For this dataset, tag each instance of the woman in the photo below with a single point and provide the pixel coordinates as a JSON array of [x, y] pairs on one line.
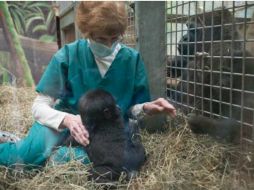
[[98, 61]]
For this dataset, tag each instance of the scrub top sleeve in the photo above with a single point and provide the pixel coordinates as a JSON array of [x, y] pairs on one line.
[[54, 80], [141, 88]]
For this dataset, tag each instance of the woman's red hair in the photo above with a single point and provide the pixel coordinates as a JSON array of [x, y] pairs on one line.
[[109, 17]]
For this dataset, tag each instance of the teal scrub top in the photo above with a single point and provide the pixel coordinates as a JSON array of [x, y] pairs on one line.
[[73, 71]]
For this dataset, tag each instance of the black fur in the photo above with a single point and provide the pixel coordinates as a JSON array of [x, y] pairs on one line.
[[208, 75], [201, 31], [223, 129], [113, 149]]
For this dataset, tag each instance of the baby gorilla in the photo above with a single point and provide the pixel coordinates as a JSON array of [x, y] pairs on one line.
[[114, 148]]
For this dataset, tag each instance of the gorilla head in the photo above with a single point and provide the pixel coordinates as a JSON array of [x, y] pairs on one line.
[[204, 29], [98, 107], [112, 148]]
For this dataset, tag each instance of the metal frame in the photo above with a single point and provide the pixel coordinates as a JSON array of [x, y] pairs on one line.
[[150, 18], [226, 90]]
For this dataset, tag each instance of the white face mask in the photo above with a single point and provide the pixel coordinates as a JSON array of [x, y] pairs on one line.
[[100, 50]]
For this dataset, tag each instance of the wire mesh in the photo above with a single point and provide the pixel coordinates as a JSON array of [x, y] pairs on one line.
[[210, 60], [129, 37]]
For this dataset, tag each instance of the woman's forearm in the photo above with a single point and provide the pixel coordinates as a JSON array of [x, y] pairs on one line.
[[44, 113]]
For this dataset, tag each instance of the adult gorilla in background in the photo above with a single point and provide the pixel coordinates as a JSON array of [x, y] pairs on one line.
[[220, 88], [202, 29], [219, 79], [221, 85], [114, 148]]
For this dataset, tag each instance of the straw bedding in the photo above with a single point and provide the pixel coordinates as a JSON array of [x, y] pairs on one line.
[[177, 158]]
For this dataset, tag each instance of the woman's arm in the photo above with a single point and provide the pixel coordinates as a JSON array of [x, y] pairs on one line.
[[141, 100], [139, 111], [44, 113]]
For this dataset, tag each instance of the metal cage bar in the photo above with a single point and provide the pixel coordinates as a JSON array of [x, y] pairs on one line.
[[129, 37], [210, 60]]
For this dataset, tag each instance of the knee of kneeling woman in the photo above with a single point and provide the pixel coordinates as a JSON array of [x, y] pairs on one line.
[[37, 146]]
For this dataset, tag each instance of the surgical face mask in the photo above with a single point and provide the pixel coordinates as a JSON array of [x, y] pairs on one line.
[[100, 50]]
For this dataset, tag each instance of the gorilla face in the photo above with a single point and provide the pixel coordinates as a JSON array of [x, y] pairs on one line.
[[203, 30], [111, 149], [98, 106], [186, 46]]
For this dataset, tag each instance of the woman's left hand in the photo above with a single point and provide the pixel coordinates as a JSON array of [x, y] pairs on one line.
[[160, 105]]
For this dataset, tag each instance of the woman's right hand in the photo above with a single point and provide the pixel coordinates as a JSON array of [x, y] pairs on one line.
[[77, 129]]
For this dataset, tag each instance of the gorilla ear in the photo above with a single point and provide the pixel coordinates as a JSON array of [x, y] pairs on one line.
[[107, 113]]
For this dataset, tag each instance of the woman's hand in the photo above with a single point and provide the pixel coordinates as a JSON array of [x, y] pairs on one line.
[[77, 129], [159, 106]]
